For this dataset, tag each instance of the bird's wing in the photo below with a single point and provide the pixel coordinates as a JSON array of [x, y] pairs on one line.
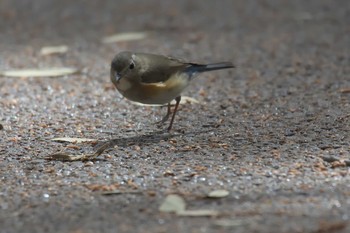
[[161, 68]]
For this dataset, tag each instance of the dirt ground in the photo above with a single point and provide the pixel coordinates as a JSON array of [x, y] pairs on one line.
[[273, 132]]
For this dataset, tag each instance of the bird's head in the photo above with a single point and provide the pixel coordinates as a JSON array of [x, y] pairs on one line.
[[124, 66]]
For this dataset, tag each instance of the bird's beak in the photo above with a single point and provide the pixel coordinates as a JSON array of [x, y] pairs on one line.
[[120, 75], [117, 77]]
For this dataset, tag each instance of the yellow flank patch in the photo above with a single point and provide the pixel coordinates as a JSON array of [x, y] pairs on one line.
[[160, 92], [153, 89], [157, 84]]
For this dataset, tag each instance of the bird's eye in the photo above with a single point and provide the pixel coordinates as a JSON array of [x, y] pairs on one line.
[[131, 66]]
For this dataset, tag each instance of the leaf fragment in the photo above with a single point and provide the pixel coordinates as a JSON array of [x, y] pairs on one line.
[[48, 72], [63, 156], [120, 192], [186, 99], [173, 203], [220, 193], [126, 36], [74, 140], [198, 213], [48, 50], [345, 90]]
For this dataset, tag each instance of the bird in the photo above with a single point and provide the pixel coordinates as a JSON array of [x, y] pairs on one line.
[[156, 79]]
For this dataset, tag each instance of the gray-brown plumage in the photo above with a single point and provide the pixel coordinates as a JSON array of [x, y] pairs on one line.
[[155, 79]]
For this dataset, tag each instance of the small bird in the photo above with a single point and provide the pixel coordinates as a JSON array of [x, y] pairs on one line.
[[156, 79]]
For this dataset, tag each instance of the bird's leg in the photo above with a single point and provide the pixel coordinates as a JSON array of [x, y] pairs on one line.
[[177, 99], [166, 117]]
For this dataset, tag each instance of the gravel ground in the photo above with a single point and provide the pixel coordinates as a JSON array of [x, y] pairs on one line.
[[274, 132]]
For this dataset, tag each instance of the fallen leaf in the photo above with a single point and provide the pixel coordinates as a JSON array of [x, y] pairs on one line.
[[339, 163], [49, 72], [220, 193], [104, 188], [48, 50], [63, 156], [74, 140], [118, 192], [173, 203], [345, 90], [186, 99], [127, 36], [75, 147], [198, 213]]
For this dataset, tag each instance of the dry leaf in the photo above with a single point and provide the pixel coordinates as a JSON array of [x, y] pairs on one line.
[[104, 187], [220, 193], [63, 156], [118, 192], [345, 90], [53, 49], [74, 140], [198, 213], [124, 37], [186, 99], [49, 72], [173, 203]]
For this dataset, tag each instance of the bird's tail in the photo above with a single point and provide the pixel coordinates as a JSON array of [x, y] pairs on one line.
[[196, 68]]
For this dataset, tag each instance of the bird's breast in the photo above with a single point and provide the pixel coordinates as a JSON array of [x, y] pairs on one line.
[[124, 85], [153, 93]]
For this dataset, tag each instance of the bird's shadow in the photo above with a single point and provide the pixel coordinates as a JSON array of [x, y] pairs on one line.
[[140, 140]]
